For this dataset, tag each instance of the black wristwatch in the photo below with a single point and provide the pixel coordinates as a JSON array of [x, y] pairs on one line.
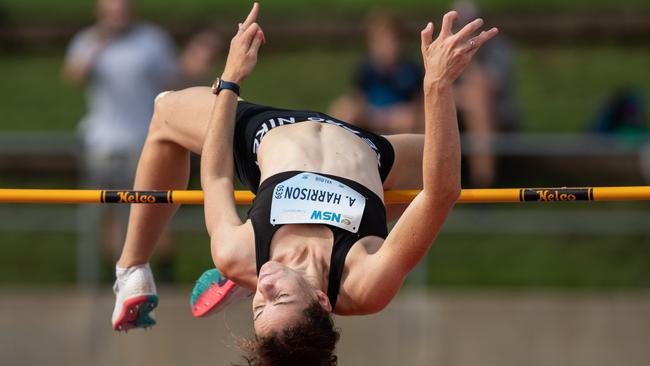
[[219, 84]]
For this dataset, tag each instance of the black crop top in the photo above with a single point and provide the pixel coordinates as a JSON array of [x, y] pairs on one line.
[[373, 223]]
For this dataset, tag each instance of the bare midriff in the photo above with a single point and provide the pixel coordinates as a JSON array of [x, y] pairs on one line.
[[319, 148]]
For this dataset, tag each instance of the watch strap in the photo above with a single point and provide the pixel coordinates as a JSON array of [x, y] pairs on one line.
[[220, 84]]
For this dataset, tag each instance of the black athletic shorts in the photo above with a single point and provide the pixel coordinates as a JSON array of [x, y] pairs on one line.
[[253, 121]]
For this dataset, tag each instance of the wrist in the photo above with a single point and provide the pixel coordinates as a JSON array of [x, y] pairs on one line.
[[231, 77], [436, 86]]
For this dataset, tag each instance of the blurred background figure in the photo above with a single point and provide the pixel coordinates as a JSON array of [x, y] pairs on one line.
[[123, 64], [623, 114], [386, 95], [199, 59], [485, 100]]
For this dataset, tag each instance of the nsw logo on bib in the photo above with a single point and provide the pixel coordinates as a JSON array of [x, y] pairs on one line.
[[309, 198]]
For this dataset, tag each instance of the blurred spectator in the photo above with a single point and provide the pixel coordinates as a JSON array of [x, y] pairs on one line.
[[124, 64], [623, 114], [644, 161], [199, 59], [485, 100], [387, 87]]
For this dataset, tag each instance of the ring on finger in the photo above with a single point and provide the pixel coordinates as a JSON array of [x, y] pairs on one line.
[[472, 43]]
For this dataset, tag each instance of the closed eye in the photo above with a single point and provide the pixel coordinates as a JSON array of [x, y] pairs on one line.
[[259, 308], [276, 303]]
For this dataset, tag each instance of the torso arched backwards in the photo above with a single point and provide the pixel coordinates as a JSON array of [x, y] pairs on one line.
[[326, 149]]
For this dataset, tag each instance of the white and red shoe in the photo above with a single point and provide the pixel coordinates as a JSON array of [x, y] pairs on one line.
[[135, 298]]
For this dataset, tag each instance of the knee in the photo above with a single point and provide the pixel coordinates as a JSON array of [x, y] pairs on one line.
[[160, 96], [222, 263], [224, 260], [160, 113]]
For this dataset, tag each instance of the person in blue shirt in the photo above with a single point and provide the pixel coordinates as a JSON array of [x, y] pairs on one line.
[[386, 96]]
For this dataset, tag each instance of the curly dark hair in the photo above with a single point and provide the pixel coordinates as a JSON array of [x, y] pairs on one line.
[[310, 342]]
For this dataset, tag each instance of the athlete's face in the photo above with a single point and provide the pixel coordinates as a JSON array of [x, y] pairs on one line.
[[281, 297]]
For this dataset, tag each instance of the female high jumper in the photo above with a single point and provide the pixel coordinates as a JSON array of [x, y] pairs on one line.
[[315, 241]]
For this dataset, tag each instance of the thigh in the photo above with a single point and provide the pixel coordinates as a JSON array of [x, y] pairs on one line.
[[182, 117], [406, 172]]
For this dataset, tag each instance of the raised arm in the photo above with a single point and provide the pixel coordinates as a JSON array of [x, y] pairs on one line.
[[82, 56], [413, 234], [217, 153]]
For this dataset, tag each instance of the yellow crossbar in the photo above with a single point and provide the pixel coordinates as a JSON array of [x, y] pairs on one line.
[[639, 193]]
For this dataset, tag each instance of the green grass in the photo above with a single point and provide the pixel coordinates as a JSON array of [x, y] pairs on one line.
[[309, 78], [34, 98], [82, 10], [454, 261], [560, 88], [540, 261], [43, 259], [37, 258]]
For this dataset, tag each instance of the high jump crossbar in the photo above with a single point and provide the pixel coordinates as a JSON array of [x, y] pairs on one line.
[[195, 197]]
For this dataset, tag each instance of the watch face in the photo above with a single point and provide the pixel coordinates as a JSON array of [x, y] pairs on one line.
[[216, 84]]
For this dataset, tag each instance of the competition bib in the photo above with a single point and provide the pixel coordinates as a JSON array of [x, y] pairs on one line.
[[309, 198]]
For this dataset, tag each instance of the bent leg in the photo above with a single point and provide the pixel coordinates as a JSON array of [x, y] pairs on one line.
[[177, 127]]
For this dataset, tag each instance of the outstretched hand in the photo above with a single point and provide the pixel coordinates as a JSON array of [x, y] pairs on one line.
[[446, 57], [242, 56]]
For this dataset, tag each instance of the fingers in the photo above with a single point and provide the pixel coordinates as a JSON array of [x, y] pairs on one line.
[[475, 43], [262, 35], [447, 24], [252, 17], [427, 36], [249, 34], [469, 29], [258, 41], [485, 36]]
